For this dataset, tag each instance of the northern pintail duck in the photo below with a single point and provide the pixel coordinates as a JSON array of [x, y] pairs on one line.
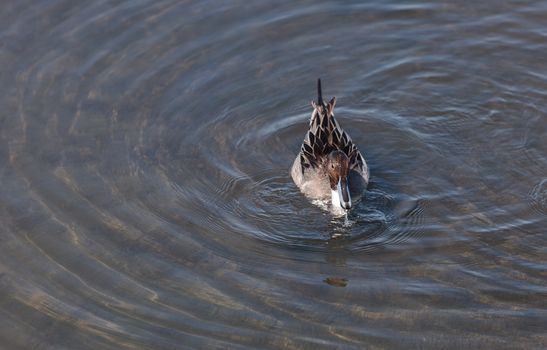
[[329, 164]]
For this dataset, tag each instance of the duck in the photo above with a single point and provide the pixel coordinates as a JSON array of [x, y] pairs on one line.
[[329, 164]]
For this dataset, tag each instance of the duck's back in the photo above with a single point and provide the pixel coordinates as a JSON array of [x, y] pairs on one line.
[[323, 137]]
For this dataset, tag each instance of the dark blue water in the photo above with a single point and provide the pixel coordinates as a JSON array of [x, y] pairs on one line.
[[145, 196]]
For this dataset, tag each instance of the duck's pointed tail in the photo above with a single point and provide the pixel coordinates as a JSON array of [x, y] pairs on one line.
[[319, 93]]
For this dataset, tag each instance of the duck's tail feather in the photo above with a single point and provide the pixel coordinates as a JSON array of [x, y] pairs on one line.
[[319, 93]]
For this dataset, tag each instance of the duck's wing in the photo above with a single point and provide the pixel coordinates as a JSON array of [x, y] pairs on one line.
[[342, 141]]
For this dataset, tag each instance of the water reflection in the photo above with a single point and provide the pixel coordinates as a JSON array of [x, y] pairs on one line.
[[336, 281]]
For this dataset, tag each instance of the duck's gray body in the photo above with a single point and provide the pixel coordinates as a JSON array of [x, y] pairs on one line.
[[325, 135]]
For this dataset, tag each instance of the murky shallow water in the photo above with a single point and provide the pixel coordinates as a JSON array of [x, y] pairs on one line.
[[145, 200]]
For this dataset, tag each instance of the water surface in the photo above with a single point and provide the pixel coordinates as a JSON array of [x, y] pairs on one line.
[[145, 196]]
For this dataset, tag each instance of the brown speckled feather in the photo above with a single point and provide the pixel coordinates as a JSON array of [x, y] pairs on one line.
[[324, 136]]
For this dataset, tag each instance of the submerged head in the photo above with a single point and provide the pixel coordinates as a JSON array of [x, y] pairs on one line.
[[338, 171]]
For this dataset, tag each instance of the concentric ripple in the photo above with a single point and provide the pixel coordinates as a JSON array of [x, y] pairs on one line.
[[146, 201]]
